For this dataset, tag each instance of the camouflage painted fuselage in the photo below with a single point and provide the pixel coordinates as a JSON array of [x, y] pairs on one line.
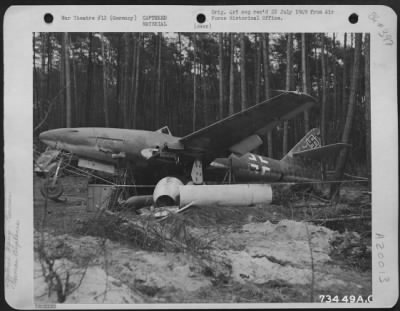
[[291, 168], [106, 144], [110, 144], [256, 168]]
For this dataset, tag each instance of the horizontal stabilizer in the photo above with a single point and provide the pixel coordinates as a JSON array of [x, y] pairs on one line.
[[246, 145], [321, 153]]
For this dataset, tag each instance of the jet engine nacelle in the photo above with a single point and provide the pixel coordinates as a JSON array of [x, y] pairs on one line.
[[232, 195], [166, 192], [170, 191]]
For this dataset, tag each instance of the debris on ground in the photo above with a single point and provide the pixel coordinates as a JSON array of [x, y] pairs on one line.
[[253, 254]]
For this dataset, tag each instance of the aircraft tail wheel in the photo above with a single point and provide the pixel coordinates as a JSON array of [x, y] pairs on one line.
[[51, 190]]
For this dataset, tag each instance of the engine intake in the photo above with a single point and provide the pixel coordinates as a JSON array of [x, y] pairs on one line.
[[166, 192]]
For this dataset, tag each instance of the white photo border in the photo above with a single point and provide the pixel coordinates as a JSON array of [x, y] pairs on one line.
[[21, 21]]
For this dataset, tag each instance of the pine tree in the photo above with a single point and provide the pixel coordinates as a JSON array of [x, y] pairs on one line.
[[342, 157]]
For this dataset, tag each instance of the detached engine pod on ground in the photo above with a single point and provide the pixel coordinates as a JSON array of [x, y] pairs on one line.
[[166, 192], [138, 201], [225, 195]]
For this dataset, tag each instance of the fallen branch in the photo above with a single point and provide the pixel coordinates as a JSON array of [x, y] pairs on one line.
[[152, 234], [340, 218], [179, 210], [309, 204], [52, 101], [319, 198], [355, 177]]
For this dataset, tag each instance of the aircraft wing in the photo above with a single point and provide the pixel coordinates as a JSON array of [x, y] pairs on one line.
[[324, 152], [216, 139]]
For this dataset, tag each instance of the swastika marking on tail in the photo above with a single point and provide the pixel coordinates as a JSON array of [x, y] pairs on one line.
[[313, 142]]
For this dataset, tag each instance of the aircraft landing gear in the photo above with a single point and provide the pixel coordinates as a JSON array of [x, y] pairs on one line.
[[197, 172], [52, 190], [52, 187], [229, 176]]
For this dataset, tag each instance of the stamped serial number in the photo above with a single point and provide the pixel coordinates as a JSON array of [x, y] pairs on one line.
[[45, 305], [345, 299]]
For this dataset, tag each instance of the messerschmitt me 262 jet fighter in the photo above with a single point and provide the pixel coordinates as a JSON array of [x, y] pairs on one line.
[[224, 146]]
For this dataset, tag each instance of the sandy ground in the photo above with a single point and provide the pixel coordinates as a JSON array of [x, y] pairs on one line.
[[251, 260]]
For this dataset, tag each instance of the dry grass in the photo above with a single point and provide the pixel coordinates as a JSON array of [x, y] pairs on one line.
[[234, 292], [180, 233]]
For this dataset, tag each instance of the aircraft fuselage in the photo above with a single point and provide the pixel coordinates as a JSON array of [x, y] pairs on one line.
[[109, 144], [106, 144], [256, 168]]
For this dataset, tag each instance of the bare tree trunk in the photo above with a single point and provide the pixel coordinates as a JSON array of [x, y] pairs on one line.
[[42, 75], [221, 76], [158, 87], [68, 106], [304, 75], [115, 113], [267, 89], [344, 81], [317, 71], [335, 106], [204, 86], [232, 76], [266, 66], [199, 44], [309, 38], [105, 105], [153, 84], [350, 55], [243, 89], [125, 92], [324, 91], [342, 157], [194, 81], [118, 106], [135, 100], [179, 107], [133, 78], [289, 69], [49, 66], [87, 119], [36, 87], [257, 68], [367, 78], [76, 99], [324, 100], [61, 112], [43, 53]]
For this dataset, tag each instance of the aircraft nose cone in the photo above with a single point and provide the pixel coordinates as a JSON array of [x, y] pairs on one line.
[[43, 135], [48, 137]]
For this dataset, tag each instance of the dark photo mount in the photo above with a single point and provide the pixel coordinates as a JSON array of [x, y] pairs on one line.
[[202, 167]]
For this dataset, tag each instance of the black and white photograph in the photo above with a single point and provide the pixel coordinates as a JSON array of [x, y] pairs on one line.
[[200, 157], [201, 167]]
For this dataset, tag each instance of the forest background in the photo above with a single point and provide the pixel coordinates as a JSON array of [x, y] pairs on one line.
[[190, 80]]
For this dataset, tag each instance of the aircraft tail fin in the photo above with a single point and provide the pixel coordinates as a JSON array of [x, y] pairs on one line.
[[311, 140], [322, 153], [309, 148]]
